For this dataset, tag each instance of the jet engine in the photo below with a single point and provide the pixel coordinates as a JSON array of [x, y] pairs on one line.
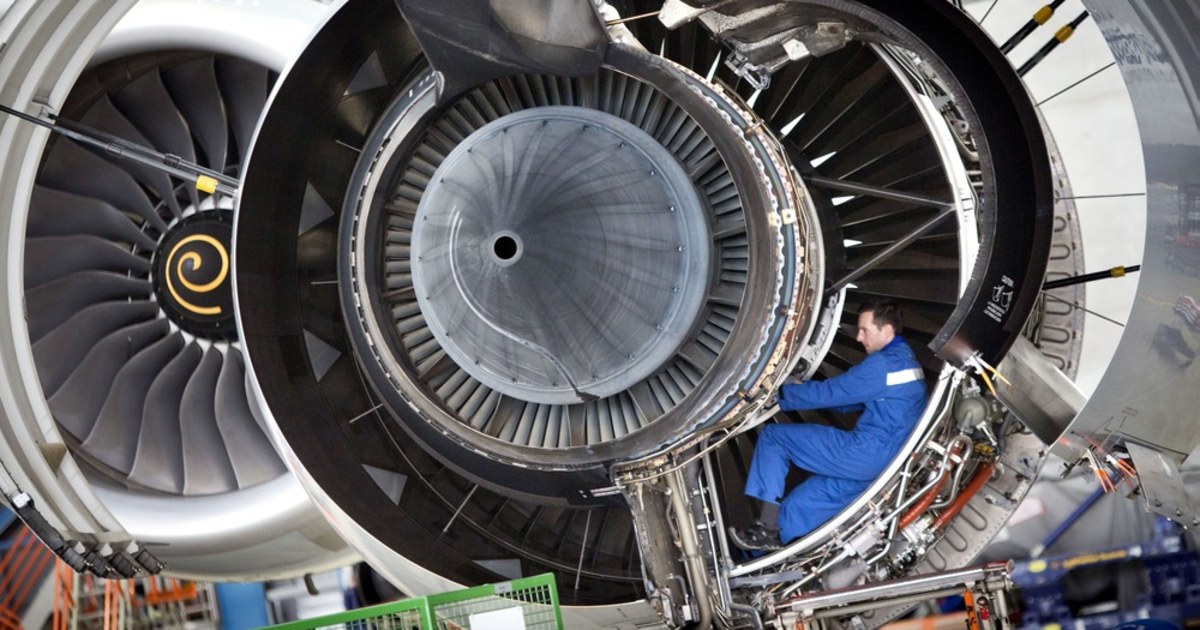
[[518, 305], [515, 284]]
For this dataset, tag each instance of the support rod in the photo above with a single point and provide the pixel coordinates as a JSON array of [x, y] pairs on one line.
[[991, 573], [1115, 272], [1042, 16], [205, 180], [1071, 519], [1060, 37], [891, 250], [876, 191]]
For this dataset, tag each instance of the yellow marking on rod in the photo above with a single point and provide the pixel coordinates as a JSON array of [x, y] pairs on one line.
[[195, 259], [1118, 272], [206, 184], [1043, 14], [1064, 34]]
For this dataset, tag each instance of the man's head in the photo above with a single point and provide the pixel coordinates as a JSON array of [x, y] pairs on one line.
[[878, 325]]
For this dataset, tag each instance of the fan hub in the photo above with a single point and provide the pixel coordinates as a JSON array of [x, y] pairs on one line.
[[191, 274], [560, 255]]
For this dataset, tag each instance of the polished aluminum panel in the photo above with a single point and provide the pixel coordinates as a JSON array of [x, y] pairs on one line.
[[1148, 394]]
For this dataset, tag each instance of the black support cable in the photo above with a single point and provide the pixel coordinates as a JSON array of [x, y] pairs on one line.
[[1061, 36], [1042, 16], [1115, 272], [205, 180]]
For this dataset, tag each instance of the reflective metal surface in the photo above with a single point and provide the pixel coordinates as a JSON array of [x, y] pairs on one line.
[[1148, 389]]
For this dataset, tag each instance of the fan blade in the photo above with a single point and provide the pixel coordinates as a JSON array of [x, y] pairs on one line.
[[77, 404], [113, 440], [148, 105], [57, 213], [55, 257], [48, 306], [193, 87], [158, 461], [105, 117], [206, 466], [243, 436], [60, 353], [245, 86], [71, 168]]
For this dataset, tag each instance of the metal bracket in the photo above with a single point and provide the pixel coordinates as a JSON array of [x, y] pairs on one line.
[[759, 77], [1162, 485]]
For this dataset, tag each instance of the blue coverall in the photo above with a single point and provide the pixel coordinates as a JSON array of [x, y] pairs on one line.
[[889, 388]]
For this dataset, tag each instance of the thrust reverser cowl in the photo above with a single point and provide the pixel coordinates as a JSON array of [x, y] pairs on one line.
[[556, 37]]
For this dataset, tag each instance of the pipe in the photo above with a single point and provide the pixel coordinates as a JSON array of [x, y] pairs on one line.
[[919, 586], [751, 613], [982, 476], [692, 560], [716, 536], [919, 507], [927, 499]]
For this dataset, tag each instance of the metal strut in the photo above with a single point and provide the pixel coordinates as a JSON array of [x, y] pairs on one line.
[[984, 586], [204, 179]]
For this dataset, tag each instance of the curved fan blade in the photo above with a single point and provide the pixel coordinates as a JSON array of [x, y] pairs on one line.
[[77, 404], [148, 105], [114, 438], [61, 352], [105, 117], [205, 468], [243, 437], [55, 257], [72, 168], [158, 462], [48, 306], [58, 213], [193, 87], [245, 86]]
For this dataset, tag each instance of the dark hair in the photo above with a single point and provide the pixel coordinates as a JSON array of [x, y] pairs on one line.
[[884, 312]]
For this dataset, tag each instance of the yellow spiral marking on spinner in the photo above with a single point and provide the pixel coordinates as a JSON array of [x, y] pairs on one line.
[[195, 259]]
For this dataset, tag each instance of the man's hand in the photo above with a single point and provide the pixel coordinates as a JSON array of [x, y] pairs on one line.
[[797, 375]]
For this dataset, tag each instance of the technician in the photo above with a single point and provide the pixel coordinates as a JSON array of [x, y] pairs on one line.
[[887, 387]]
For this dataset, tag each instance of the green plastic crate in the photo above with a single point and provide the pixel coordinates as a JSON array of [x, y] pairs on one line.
[[536, 596]]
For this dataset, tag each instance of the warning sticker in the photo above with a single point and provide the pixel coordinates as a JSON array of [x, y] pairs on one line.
[[1001, 299]]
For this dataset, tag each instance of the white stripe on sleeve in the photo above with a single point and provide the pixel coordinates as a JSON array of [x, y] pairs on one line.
[[905, 376]]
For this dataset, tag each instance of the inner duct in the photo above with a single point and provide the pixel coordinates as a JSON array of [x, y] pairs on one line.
[[634, 263]]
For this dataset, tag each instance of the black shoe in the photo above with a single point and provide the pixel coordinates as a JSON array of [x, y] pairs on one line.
[[757, 537]]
